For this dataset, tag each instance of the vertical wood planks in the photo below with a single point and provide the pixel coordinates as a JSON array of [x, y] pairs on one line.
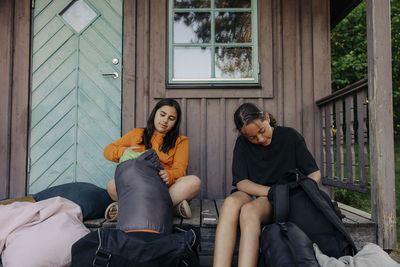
[[266, 47], [20, 99], [203, 147], [6, 31], [308, 103], [298, 116], [289, 62], [323, 143], [223, 150], [142, 61], [329, 140], [339, 140], [381, 121], [362, 135], [193, 132], [350, 156], [321, 55], [231, 135], [213, 133], [278, 59], [184, 110], [344, 175], [129, 69]]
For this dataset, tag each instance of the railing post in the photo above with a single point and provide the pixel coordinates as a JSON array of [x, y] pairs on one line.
[[381, 121]]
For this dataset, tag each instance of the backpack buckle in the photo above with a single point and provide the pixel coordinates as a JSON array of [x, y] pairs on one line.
[[101, 258]]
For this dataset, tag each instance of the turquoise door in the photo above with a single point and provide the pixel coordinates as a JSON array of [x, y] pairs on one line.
[[76, 91]]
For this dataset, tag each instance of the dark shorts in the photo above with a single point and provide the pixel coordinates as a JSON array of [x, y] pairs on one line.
[[236, 190]]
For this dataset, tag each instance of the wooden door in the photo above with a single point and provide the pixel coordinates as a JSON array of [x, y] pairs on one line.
[[76, 91]]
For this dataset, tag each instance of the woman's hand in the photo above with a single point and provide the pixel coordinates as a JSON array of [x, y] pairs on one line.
[[164, 176], [131, 148]]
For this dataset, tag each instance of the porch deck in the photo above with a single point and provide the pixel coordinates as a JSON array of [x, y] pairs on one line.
[[205, 215]]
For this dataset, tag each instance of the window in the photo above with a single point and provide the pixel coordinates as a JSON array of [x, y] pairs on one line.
[[212, 41]]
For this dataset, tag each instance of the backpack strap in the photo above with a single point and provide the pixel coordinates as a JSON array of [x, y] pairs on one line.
[[101, 257], [281, 202], [284, 233]]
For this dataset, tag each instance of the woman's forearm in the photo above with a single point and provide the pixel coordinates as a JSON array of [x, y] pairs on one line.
[[316, 176], [252, 188]]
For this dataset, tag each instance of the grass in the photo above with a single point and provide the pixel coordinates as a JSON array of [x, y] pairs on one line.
[[363, 201]]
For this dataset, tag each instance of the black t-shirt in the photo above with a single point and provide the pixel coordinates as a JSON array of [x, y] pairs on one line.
[[265, 165]]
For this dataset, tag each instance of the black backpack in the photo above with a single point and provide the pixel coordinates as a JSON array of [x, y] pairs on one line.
[[112, 247], [284, 245], [297, 199]]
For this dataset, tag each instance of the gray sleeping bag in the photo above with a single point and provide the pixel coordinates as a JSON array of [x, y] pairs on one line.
[[144, 202]]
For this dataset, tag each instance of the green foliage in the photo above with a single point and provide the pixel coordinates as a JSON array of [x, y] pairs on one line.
[[395, 14], [349, 64], [355, 199], [349, 49], [349, 53]]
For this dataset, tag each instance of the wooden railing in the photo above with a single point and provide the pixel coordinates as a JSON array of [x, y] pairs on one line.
[[344, 138]]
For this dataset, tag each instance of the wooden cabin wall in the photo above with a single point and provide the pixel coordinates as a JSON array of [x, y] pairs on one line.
[[294, 55], [14, 100]]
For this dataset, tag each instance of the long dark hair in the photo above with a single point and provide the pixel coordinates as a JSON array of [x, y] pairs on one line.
[[171, 136], [248, 113]]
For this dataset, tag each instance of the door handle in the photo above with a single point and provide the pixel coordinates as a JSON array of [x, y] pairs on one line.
[[114, 75]]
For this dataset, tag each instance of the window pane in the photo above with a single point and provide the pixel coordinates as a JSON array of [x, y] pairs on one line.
[[232, 27], [192, 62], [232, 3], [191, 3], [192, 27], [78, 15], [233, 62]]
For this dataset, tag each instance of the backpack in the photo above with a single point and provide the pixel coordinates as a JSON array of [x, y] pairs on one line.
[[113, 247], [283, 245], [297, 199]]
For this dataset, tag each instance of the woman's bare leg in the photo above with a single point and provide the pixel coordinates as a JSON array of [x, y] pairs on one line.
[[252, 215], [185, 188], [112, 190], [225, 237]]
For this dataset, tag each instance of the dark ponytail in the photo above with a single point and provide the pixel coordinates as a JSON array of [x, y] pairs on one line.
[[249, 112]]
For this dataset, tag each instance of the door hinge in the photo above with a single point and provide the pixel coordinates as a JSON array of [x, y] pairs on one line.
[[28, 167], [33, 4]]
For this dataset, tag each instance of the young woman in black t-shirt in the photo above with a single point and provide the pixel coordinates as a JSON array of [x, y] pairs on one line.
[[263, 153]]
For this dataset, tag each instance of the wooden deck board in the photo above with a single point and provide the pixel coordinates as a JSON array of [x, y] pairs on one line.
[[209, 213], [195, 206], [205, 214], [358, 212]]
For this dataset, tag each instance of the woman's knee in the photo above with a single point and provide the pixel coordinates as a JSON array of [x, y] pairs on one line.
[[249, 214], [111, 190], [256, 212], [231, 204], [195, 182]]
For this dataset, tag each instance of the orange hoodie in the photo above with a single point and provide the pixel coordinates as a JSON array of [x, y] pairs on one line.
[[174, 162]]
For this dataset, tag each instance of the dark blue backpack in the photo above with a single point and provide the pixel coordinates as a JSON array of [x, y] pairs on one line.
[[297, 199], [284, 245], [109, 247]]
